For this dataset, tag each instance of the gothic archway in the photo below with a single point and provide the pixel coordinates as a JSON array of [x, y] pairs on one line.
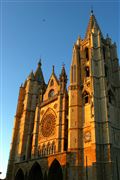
[[19, 175], [35, 172], [55, 171]]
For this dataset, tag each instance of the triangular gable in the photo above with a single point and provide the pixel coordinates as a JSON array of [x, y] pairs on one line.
[[52, 87]]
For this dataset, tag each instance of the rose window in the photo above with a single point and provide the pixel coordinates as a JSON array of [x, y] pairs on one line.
[[48, 125]]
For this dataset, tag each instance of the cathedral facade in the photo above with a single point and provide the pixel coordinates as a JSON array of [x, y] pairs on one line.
[[70, 133]]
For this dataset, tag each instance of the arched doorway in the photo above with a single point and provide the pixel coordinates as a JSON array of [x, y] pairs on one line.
[[19, 175], [55, 171], [35, 172]]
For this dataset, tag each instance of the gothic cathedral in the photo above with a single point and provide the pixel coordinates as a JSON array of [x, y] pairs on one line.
[[70, 133]]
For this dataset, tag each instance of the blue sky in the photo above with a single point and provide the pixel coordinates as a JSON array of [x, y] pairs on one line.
[[31, 30]]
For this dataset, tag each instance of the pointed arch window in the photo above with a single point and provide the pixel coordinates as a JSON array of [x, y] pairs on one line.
[[86, 97], [51, 82], [51, 93], [111, 97], [35, 172], [106, 71], [74, 73], [104, 52], [87, 53], [53, 147], [19, 175], [87, 71], [55, 171]]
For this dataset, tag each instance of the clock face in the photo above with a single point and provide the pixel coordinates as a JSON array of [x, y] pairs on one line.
[[48, 124], [87, 136]]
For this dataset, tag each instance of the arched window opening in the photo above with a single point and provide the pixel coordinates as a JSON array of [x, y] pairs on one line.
[[51, 93], [53, 148], [48, 148], [111, 98], [87, 71], [19, 175], [106, 71], [23, 157], [52, 83], [74, 73], [66, 135], [43, 150], [39, 151], [55, 171], [86, 97], [71, 74], [35, 172], [104, 52], [87, 53]]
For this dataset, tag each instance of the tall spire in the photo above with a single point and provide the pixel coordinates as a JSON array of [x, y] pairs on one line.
[[38, 74], [91, 24]]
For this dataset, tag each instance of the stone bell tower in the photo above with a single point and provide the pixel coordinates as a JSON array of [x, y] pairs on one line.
[[24, 118], [94, 105]]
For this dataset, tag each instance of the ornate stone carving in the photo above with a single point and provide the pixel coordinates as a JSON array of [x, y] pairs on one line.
[[87, 136], [55, 105]]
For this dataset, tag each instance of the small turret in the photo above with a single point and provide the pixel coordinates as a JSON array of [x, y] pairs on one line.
[[75, 66], [63, 79], [31, 76], [78, 41], [38, 74]]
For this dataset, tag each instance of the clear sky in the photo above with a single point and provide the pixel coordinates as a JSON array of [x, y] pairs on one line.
[[30, 30]]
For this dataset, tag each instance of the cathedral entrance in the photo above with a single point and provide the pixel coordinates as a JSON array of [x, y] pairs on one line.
[[19, 175], [55, 171], [35, 172]]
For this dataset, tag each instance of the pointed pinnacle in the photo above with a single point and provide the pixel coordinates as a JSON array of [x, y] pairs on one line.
[[53, 68], [39, 63]]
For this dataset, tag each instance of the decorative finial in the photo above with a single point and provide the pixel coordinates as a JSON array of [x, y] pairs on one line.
[[78, 40], [39, 63], [53, 67], [91, 10]]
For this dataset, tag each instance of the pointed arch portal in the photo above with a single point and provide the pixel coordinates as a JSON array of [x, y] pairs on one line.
[[19, 175], [35, 172], [55, 171]]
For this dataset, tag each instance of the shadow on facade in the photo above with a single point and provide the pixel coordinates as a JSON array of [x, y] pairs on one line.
[[35, 173]]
